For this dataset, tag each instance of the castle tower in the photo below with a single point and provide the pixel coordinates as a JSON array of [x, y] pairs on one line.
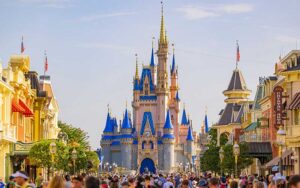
[[162, 88], [126, 142], [136, 94], [152, 64], [107, 138], [168, 144]]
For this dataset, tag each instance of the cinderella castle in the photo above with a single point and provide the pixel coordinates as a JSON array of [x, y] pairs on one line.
[[152, 138]]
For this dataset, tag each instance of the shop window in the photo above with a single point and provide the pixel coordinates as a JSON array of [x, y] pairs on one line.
[[297, 117]]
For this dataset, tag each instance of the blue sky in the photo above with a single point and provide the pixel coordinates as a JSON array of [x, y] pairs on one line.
[[91, 46]]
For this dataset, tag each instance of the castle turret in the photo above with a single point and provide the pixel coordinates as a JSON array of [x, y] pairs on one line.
[[174, 79], [190, 144], [184, 119], [152, 64], [126, 142], [162, 87], [168, 142], [106, 139]]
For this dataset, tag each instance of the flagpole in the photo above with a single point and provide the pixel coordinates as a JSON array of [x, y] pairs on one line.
[[236, 59]]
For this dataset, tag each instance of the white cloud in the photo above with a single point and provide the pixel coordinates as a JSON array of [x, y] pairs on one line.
[[237, 8], [200, 12], [194, 13], [101, 16]]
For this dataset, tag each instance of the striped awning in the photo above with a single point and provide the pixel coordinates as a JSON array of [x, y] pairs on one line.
[[295, 103]]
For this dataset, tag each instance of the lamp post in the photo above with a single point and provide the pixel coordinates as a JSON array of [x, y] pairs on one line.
[[74, 157], [281, 143], [52, 152], [236, 152], [221, 155]]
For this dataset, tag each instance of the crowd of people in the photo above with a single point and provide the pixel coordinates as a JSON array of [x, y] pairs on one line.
[[20, 179]]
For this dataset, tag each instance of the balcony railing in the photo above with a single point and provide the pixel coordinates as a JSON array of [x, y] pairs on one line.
[[9, 133], [254, 138]]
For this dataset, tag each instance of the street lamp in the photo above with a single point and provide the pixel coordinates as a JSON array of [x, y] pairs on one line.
[[236, 152], [52, 152], [221, 155], [74, 157], [62, 136], [280, 142]]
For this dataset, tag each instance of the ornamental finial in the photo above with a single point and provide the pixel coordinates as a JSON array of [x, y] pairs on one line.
[[162, 38], [136, 67]]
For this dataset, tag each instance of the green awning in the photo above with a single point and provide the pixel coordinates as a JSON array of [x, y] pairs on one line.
[[251, 127]]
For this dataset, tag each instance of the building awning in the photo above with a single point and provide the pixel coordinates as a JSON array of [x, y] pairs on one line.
[[259, 149], [27, 111], [295, 103], [15, 107], [251, 127], [274, 162]]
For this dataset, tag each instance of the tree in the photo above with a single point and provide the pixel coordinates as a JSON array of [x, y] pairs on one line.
[[210, 160], [244, 160], [75, 135]]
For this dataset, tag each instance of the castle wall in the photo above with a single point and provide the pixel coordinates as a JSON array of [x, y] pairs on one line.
[[116, 157]]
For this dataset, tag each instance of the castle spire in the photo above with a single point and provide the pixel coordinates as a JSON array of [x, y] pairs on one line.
[[136, 68], [173, 61], [152, 55], [162, 38]]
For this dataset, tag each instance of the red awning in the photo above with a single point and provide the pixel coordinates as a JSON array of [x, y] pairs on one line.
[[295, 103], [27, 111], [15, 107]]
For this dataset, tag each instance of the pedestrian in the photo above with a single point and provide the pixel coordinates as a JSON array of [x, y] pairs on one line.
[[77, 182], [56, 182], [168, 183], [92, 182], [294, 181], [11, 183], [45, 184], [39, 180], [125, 184], [21, 179], [258, 184], [68, 183], [2, 184], [185, 184], [214, 183], [233, 184]]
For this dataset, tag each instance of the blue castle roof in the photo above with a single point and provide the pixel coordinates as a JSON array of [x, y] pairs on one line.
[[126, 121], [206, 124], [147, 117], [109, 127], [177, 96], [184, 120], [173, 65], [146, 73], [168, 123], [152, 58], [190, 136], [136, 86]]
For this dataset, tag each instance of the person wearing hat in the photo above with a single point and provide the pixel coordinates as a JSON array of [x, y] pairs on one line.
[[21, 179]]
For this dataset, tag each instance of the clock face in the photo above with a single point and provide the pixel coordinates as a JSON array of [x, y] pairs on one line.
[[147, 133]]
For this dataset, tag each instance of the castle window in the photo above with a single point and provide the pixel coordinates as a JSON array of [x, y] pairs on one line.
[[151, 145], [143, 144]]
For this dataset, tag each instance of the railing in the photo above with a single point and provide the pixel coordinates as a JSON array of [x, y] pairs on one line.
[[9, 132], [254, 138]]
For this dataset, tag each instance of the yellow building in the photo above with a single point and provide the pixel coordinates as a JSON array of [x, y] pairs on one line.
[[7, 130]]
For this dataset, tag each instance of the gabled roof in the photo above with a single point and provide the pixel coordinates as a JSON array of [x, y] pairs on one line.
[[231, 114], [147, 118], [190, 136], [184, 119], [109, 128], [237, 81], [258, 96], [126, 121], [146, 73], [168, 123]]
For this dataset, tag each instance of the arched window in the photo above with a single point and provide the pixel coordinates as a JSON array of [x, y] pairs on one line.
[[151, 145], [143, 144]]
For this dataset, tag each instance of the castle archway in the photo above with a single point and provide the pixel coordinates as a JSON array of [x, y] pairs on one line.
[[147, 165]]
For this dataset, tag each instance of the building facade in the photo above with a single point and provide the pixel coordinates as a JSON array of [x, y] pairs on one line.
[[151, 138]]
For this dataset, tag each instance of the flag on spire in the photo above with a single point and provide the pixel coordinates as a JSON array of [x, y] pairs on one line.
[[237, 51], [22, 46], [46, 63]]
